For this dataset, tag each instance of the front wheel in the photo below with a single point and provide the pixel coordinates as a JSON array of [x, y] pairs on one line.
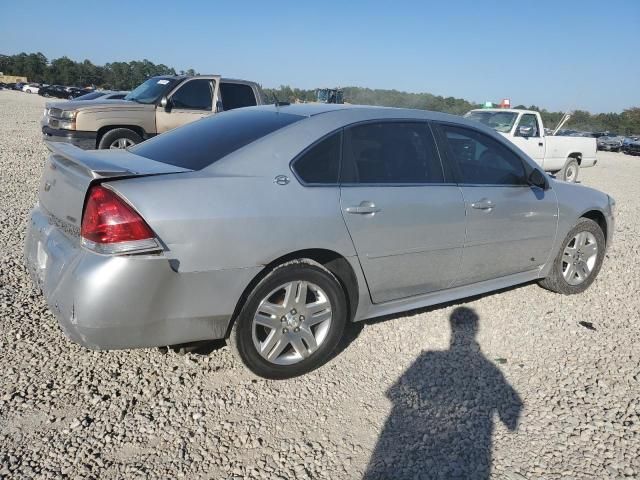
[[291, 322], [579, 259], [569, 172], [119, 138]]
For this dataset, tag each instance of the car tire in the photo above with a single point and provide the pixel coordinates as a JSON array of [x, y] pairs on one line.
[[557, 280], [248, 336], [119, 136], [569, 172]]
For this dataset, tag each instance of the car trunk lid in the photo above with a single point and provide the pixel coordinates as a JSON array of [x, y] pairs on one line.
[[69, 172]]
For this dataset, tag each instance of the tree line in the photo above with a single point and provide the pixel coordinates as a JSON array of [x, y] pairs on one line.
[[127, 75]]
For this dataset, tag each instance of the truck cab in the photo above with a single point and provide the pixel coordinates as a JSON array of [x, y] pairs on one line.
[[563, 156], [157, 105]]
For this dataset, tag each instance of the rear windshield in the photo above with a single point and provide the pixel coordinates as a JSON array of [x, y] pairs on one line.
[[201, 143]]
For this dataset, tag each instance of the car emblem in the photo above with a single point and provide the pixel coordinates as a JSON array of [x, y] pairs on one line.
[[281, 180]]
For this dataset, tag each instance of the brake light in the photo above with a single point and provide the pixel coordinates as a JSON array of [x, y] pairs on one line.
[[110, 225]]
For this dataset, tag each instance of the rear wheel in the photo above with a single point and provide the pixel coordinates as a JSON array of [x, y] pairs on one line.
[[291, 322], [579, 259], [119, 138], [569, 172]]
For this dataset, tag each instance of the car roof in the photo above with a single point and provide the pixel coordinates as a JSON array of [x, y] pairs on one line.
[[361, 112]]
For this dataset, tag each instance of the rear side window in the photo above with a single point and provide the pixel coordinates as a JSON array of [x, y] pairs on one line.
[[201, 143], [480, 159], [193, 95], [320, 164], [236, 95], [390, 153]]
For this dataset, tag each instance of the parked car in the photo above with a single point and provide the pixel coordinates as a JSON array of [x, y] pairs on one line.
[[18, 86], [103, 95], [561, 155], [610, 142], [274, 226], [56, 91], [31, 88], [631, 146], [156, 106], [75, 92]]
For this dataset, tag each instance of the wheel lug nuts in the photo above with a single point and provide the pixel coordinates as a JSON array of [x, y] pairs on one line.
[[284, 330], [293, 312], [297, 330], [283, 319], [302, 318]]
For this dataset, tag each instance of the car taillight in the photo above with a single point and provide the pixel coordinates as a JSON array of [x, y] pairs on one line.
[[110, 225]]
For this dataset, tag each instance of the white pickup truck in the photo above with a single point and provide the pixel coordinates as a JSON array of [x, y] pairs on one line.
[[563, 156]]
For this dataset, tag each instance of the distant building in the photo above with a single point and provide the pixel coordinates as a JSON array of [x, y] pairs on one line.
[[12, 79]]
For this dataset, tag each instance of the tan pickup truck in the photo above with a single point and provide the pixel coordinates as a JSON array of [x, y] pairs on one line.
[[157, 105]]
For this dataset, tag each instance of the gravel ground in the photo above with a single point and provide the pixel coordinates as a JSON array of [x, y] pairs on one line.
[[530, 384]]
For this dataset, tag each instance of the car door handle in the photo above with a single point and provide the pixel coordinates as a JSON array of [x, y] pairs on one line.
[[483, 204], [364, 208], [540, 144]]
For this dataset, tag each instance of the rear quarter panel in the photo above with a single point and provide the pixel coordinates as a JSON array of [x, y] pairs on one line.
[[224, 222], [559, 148]]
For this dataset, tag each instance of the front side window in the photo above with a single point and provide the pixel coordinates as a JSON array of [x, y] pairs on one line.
[[529, 120], [194, 95], [320, 164], [236, 95], [390, 153], [482, 160]]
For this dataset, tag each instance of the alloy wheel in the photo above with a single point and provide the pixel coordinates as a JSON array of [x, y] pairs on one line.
[[579, 258], [291, 322], [121, 143]]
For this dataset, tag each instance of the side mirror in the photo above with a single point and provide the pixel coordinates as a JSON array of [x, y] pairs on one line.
[[525, 131], [166, 104], [538, 179]]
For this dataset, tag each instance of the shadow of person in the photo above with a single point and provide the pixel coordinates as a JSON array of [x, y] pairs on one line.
[[441, 423]]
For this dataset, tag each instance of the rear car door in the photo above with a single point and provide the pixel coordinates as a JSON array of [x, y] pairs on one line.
[[511, 225], [405, 220], [236, 95], [190, 101], [534, 144]]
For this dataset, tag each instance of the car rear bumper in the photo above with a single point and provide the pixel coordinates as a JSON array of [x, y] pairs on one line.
[[84, 140], [115, 302]]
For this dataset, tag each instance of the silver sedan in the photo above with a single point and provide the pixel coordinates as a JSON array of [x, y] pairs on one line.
[[274, 226]]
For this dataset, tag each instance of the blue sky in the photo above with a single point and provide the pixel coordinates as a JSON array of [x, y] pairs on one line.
[[563, 54]]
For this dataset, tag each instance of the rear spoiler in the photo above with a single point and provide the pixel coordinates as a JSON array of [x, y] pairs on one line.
[[108, 163]]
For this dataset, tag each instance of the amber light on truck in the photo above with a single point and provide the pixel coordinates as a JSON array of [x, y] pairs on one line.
[[111, 226]]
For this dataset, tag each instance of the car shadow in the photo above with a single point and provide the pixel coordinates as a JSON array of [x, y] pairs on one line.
[[442, 418], [353, 329]]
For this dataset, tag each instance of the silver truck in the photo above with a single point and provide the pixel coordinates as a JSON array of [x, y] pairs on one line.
[[157, 105]]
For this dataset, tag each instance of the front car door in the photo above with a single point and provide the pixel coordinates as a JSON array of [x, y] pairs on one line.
[[189, 101], [406, 222], [511, 225], [532, 145]]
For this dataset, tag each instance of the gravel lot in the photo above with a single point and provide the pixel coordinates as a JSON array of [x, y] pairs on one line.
[[535, 394]]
